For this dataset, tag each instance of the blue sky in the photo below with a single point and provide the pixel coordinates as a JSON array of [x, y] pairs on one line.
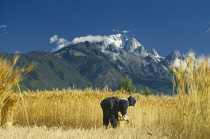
[[166, 25]]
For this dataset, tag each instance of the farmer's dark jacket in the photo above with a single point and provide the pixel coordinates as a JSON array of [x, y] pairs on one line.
[[122, 104]]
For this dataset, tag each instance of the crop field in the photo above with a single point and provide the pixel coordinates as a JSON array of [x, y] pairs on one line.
[[72, 113], [77, 114]]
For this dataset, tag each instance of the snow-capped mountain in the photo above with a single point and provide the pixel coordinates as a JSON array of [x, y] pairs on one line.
[[98, 61], [103, 60], [130, 45], [121, 42], [121, 48], [171, 57], [118, 46], [112, 44]]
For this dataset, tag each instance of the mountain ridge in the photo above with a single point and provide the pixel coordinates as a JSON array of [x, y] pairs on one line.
[[99, 64], [136, 62]]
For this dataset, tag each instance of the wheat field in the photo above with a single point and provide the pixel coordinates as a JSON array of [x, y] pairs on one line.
[[72, 113], [77, 114]]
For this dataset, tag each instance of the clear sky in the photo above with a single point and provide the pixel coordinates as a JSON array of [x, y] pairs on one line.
[[166, 25]]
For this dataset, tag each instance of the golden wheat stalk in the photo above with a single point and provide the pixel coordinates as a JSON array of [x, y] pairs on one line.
[[10, 75], [192, 80]]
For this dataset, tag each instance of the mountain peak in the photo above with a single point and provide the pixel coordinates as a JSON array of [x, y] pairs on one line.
[[113, 44], [116, 35], [153, 52], [117, 40], [175, 54], [122, 41]]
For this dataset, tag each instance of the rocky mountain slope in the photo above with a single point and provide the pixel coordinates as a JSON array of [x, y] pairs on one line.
[[98, 64]]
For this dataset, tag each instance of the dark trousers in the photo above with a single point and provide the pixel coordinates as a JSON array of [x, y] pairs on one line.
[[109, 108]]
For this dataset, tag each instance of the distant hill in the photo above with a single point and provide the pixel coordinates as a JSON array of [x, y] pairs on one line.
[[50, 72], [98, 64]]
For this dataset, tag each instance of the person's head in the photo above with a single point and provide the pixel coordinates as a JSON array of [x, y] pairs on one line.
[[132, 101]]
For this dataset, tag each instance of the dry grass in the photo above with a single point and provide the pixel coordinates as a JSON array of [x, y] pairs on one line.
[[75, 110], [77, 114], [79, 133]]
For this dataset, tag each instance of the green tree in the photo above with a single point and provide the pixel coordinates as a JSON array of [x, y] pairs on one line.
[[126, 85], [146, 92]]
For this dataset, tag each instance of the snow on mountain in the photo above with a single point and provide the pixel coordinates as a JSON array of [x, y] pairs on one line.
[[121, 41], [131, 45], [111, 45], [155, 54], [116, 40], [141, 51], [127, 53]]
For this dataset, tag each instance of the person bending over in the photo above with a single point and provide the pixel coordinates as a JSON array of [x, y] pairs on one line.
[[112, 105]]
